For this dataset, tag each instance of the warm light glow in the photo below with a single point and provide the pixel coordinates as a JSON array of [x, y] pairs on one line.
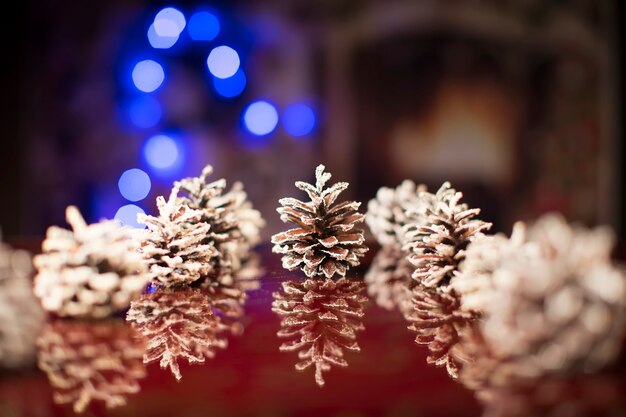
[[134, 184], [223, 62], [148, 75], [260, 118], [127, 216]]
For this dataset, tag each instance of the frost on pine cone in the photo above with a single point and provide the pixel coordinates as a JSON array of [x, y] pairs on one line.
[[389, 278], [326, 240], [174, 244], [21, 316], [437, 245], [234, 224], [91, 271], [552, 303], [321, 319], [182, 324], [392, 210], [91, 361]]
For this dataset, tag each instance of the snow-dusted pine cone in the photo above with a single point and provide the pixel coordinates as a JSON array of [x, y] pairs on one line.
[[91, 271], [180, 324], [174, 244], [326, 240], [552, 304], [389, 278], [21, 316], [91, 361], [437, 246], [392, 209], [320, 318], [234, 224]]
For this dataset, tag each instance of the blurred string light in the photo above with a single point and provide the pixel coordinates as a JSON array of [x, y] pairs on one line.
[[299, 119], [145, 111], [231, 86], [134, 184], [223, 62], [260, 118], [162, 152], [160, 42], [127, 215], [148, 75], [203, 26], [169, 22]]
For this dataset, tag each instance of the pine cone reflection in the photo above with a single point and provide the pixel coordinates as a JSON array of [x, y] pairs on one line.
[[389, 279], [91, 361], [186, 323], [321, 318]]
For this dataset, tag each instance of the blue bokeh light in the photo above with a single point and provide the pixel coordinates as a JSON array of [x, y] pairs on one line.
[[299, 119], [127, 216], [148, 75], [145, 111], [203, 26], [260, 118], [162, 152], [169, 22], [134, 184], [231, 86], [160, 42], [223, 62]]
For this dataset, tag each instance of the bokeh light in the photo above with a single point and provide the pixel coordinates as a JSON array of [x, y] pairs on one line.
[[260, 118], [223, 62], [231, 86], [299, 119], [169, 22], [161, 152], [148, 75], [145, 111], [134, 184], [203, 26], [160, 42], [127, 216]]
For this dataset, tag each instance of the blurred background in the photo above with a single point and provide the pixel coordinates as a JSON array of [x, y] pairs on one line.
[[518, 102]]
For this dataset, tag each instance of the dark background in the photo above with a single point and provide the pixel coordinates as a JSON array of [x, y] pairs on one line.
[[519, 103]]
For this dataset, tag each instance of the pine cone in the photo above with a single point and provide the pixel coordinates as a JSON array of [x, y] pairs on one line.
[[91, 361], [234, 225], [392, 210], [179, 324], [388, 280], [326, 241], [438, 245], [21, 316], [90, 271], [175, 246], [321, 318], [551, 305]]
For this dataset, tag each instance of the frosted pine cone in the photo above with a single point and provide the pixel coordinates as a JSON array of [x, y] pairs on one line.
[[178, 324], [90, 271], [392, 209], [388, 279], [321, 318], [551, 305], [21, 316], [175, 246], [234, 224], [326, 241], [91, 361], [438, 245]]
